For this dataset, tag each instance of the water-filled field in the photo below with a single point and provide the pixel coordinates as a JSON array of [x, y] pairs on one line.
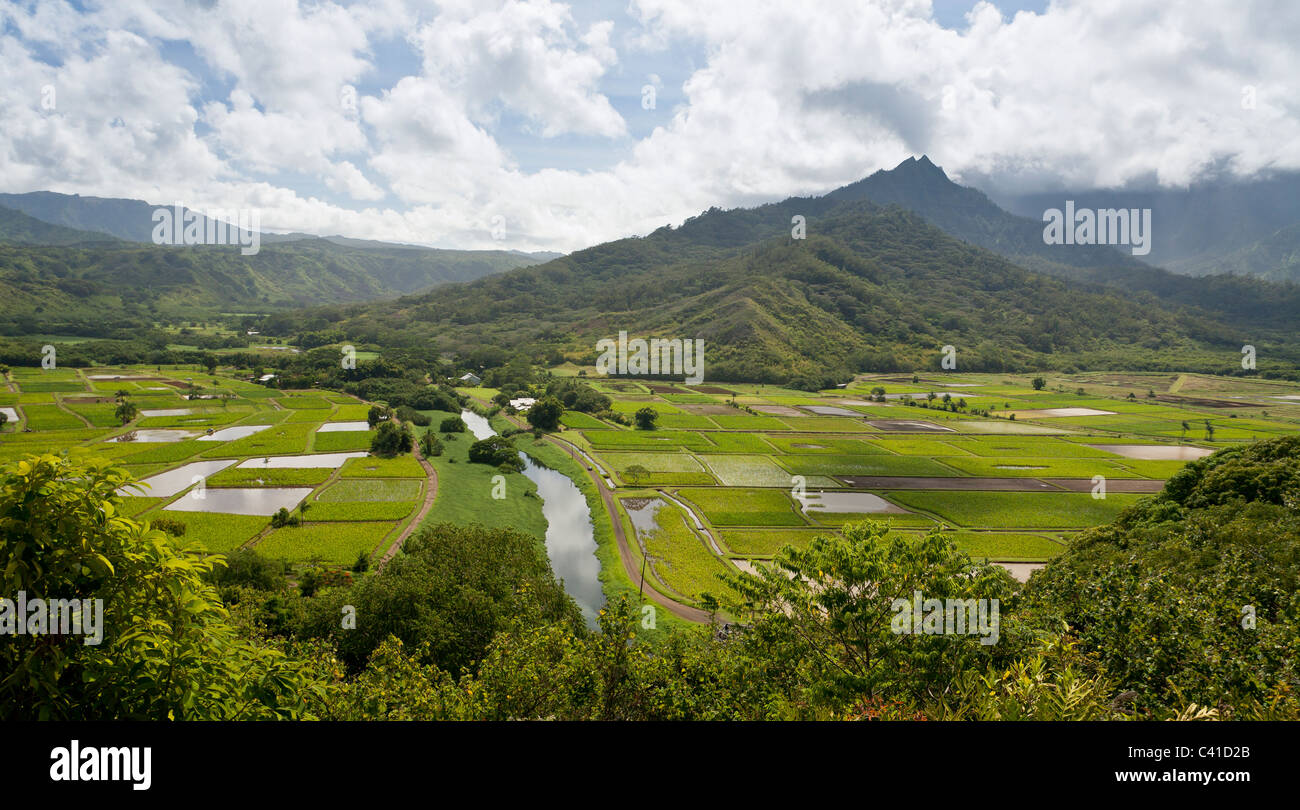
[[1010, 472], [220, 461]]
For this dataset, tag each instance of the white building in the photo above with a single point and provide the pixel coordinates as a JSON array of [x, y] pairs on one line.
[[522, 403]]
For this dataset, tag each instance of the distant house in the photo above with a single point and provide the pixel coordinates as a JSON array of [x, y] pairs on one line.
[[254, 332], [523, 403], [266, 378], [471, 379]]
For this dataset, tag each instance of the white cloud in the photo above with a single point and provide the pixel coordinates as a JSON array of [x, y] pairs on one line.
[[788, 99]]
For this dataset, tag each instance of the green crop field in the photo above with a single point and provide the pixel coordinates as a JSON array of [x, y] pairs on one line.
[[1037, 510], [745, 507], [337, 543], [215, 532], [362, 489], [679, 557]]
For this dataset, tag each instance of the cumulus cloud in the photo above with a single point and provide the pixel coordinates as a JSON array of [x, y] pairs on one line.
[[786, 99]]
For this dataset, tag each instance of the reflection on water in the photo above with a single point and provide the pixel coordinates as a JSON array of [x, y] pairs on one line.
[[165, 485], [570, 538], [242, 501], [330, 461]]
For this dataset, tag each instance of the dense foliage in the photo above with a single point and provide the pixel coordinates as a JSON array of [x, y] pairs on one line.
[[1144, 618]]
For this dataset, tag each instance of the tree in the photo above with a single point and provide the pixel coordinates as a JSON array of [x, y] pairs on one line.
[[1039, 383], [636, 473], [429, 444], [377, 414], [496, 451], [834, 608], [646, 418], [545, 413], [392, 439], [125, 412], [452, 588], [452, 424], [168, 649]]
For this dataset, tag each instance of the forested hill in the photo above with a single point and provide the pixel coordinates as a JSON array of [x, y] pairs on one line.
[[869, 288], [19, 228], [76, 288]]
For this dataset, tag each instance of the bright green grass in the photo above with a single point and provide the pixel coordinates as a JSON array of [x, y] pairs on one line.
[[1031, 446], [132, 505], [193, 421], [896, 520], [161, 452], [349, 411], [277, 440], [363, 489], [1004, 546], [801, 445], [737, 443], [933, 447], [374, 467], [465, 493], [679, 557], [304, 403], [343, 441], [578, 419], [767, 542], [1038, 467], [35, 398], [827, 424], [655, 462], [51, 417], [745, 507], [359, 510], [686, 421], [749, 422], [309, 415], [747, 471], [863, 465], [1037, 510], [47, 386], [98, 414], [646, 440], [39, 442], [217, 533], [273, 477], [1159, 470], [337, 543], [265, 417]]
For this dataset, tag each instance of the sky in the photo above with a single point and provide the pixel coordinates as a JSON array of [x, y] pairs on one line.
[[540, 125]]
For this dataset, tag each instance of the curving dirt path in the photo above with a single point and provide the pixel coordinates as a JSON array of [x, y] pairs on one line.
[[679, 610], [431, 494]]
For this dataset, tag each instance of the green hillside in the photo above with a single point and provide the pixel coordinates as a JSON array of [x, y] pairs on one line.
[[49, 289], [870, 288]]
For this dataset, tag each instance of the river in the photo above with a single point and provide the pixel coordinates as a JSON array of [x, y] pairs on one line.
[[570, 538]]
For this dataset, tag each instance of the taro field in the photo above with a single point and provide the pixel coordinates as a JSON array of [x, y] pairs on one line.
[[734, 472], [218, 455]]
